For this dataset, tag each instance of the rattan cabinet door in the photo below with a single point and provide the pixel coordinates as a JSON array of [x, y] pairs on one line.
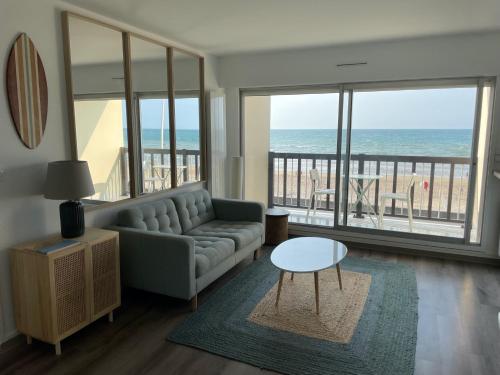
[[105, 272], [70, 290]]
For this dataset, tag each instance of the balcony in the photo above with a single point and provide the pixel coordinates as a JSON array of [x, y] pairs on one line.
[[439, 195], [156, 171]]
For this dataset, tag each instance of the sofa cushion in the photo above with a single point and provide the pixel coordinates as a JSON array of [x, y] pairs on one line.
[[209, 252], [241, 232], [158, 216], [194, 208]]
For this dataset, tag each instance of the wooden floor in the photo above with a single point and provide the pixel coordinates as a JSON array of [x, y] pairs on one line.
[[458, 330]]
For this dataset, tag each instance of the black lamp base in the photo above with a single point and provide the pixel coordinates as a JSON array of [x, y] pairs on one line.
[[72, 219]]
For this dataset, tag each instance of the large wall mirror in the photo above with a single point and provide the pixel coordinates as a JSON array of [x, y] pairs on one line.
[[187, 116], [99, 106], [151, 104], [136, 110]]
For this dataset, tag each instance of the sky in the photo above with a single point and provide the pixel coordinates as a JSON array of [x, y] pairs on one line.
[[402, 109], [186, 113], [451, 108]]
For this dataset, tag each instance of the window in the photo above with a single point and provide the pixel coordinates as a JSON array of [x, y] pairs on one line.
[[411, 148], [298, 132], [407, 159]]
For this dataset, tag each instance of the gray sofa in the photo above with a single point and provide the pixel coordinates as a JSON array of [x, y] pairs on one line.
[[177, 246]]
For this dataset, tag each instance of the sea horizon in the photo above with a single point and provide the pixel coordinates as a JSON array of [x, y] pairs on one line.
[[409, 142]]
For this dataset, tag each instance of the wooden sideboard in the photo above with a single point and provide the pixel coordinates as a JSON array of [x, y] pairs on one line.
[[58, 293]]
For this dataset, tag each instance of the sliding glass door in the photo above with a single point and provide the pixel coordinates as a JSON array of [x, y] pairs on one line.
[[406, 159], [294, 135], [479, 162], [413, 159]]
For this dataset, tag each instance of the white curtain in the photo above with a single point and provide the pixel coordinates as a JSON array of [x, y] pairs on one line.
[[217, 143]]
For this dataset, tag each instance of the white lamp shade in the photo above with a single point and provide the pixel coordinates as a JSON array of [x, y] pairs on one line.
[[68, 180]]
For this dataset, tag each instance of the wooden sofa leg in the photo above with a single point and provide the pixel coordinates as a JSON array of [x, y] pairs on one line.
[[256, 254], [194, 303]]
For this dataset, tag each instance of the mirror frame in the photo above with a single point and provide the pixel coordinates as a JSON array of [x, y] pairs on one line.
[[132, 128]]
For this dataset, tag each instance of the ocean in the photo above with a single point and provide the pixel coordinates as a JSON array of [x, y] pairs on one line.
[[421, 142], [187, 139]]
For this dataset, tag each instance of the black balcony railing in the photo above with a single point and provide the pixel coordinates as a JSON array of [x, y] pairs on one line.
[[440, 191]]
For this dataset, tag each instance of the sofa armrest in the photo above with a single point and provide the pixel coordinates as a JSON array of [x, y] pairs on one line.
[[157, 262], [238, 210]]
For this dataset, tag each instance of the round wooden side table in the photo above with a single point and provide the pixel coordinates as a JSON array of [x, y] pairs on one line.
[[276, 226]]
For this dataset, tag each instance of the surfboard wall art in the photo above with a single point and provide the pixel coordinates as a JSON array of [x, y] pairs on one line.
[[27, 91]]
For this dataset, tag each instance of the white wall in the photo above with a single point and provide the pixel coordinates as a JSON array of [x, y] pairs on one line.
[[439, 57], [99, 138], [24, 213]]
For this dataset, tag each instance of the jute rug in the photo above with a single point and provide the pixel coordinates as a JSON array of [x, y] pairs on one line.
[[339, 309], [369, 328]]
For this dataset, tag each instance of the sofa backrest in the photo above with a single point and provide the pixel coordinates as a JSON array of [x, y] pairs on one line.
[[194, 208], [157, 216]]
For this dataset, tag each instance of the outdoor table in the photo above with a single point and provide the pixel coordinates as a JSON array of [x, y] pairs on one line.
[[362, 189], [166, 167]]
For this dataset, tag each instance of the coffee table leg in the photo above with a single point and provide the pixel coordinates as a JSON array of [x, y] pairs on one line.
[[316, 288], [282, 273], [291, 278], [340, 277]]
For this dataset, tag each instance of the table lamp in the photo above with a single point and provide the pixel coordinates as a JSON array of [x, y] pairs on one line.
[[69, 180]]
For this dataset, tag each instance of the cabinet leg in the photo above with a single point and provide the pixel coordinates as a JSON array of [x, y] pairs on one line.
[[110, 317], [58, 348], [29, 340]]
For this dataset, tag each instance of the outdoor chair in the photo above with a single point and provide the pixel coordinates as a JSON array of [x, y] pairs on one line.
[[315, 191], [150, 179], [406, 197]]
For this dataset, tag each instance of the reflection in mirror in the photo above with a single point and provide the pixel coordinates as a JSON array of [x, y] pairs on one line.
[[99, 102], [187, 116], [150, 85]]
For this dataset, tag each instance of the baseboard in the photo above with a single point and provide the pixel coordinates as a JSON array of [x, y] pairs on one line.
[[391, 245], [424, 253]]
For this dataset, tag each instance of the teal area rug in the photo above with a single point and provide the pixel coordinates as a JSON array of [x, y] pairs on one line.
[[383, 342]]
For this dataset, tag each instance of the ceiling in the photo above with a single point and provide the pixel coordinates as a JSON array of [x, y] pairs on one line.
[[234, 26]]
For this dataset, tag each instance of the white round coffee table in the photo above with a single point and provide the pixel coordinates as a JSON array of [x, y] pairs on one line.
[[308, 255]]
